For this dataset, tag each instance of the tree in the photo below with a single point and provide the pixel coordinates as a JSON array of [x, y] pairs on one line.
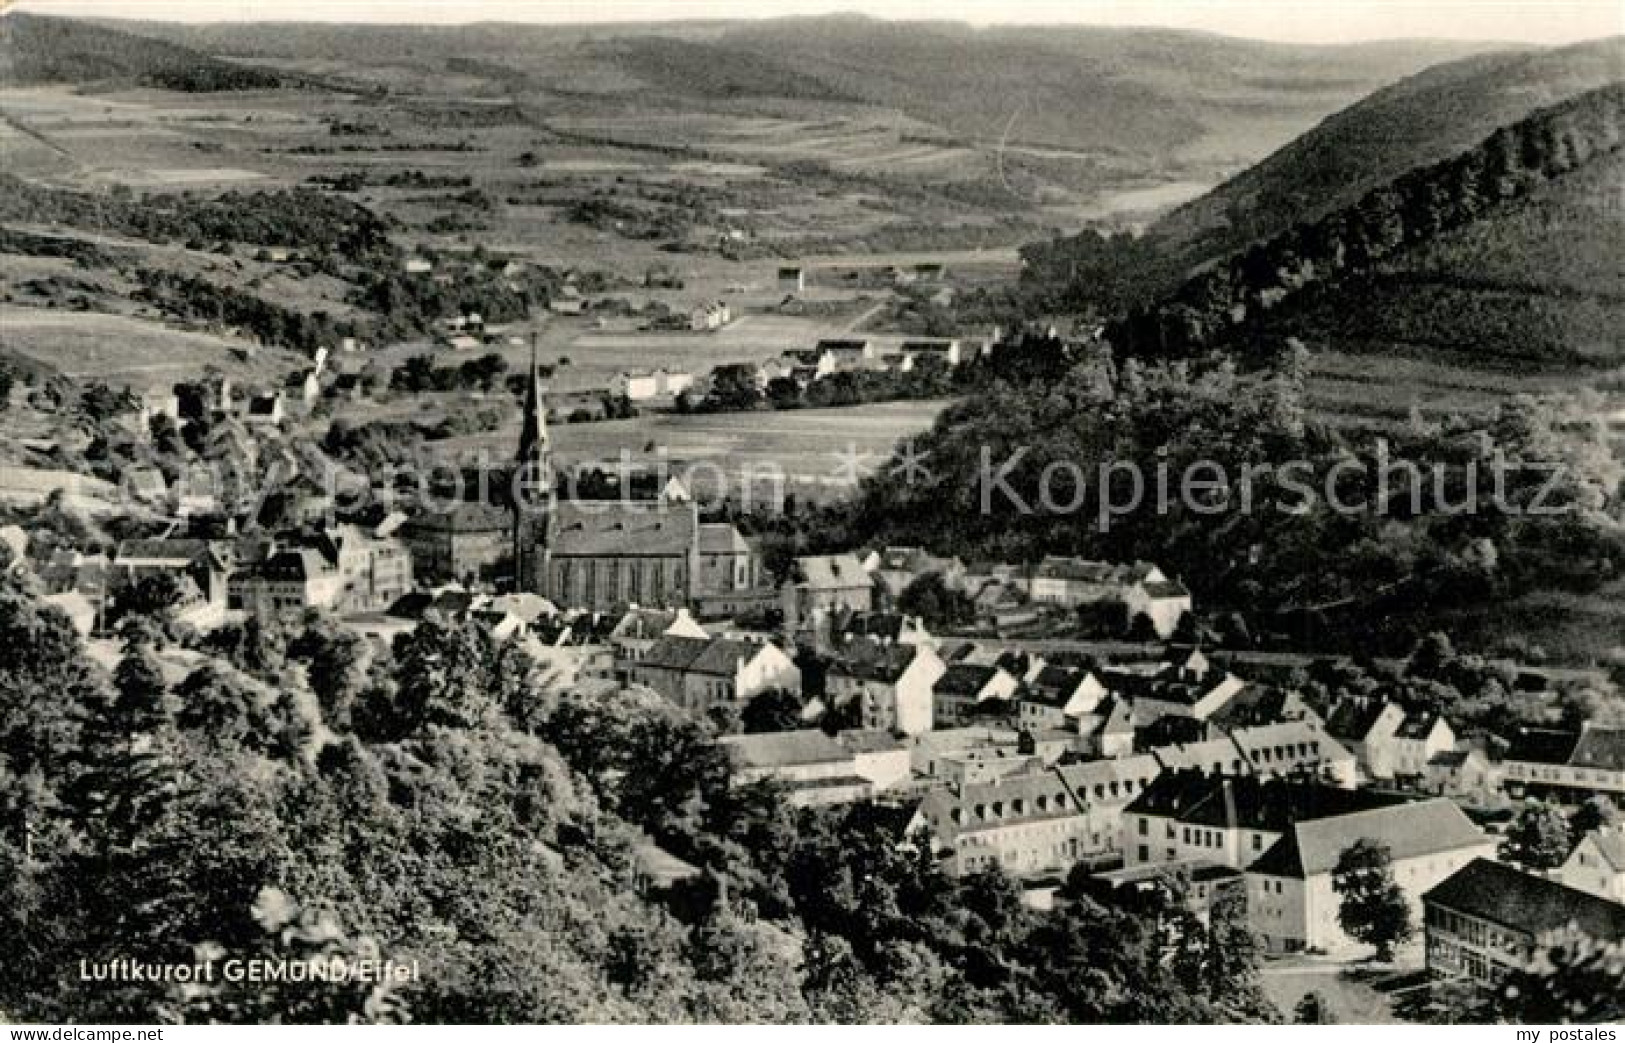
[[1597, 813], [1313, 1010], [773, 710], [1538, 839], [1580, 980], [937, 604], [1373, 910]]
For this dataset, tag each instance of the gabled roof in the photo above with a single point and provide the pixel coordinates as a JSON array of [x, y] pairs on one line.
[[673, 653], [624, 529], [465, 517], [1250, 802], [1407, 830], [1167, 590], [965, 678], [868, 661], [722, 656], [868, 740], [1491, 891], [180, 552], [1610, 843], [1352, 719], [784, 749]]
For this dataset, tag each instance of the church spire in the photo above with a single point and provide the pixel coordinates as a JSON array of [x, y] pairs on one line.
[[535, 446], [532, 502]]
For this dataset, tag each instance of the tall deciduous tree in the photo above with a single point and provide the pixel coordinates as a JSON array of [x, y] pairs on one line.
[[1373, 909]]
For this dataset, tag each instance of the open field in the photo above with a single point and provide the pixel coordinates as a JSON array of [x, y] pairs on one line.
[[119, 349], [808, 446]]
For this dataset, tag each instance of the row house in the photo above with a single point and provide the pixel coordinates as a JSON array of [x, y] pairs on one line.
[[892, 686], [1291, 903], [1488, 920], [1034, 824], [1568, 765], [699, 673]]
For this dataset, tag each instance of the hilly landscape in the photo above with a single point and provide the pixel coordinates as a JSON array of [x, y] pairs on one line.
[[1423, 119], [1507, 256], [1162, 102]]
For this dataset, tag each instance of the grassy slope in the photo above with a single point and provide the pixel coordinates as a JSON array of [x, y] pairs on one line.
[[1428, 117]]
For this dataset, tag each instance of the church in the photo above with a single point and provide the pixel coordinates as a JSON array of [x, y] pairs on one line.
[[604, 555]]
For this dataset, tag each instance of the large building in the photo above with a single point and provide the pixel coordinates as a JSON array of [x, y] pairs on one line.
[[1232, 819], [1291, 902], [604, 555], [1487, 920], [1037, 822], [890, 686]]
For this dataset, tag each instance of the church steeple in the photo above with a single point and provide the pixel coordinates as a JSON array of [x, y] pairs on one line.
[[535, 445], [532, 490]]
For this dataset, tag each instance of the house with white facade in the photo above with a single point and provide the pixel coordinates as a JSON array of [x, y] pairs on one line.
[[1291, 903], [892, 686], [1597, 864]]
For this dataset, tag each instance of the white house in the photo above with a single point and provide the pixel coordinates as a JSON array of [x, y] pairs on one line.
[[1597, 864], [1291, 903], [893, 685], [962, 686], [698, 673]]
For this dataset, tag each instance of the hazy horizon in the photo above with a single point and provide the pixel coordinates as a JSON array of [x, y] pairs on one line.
[[1310, 21]]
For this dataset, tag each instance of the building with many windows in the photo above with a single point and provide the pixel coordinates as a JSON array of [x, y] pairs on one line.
[[1487, 920]]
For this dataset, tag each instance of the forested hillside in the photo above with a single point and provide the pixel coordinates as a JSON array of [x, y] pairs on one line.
[[303, 794], [1417, 239], [1423, 119], [38, 50]]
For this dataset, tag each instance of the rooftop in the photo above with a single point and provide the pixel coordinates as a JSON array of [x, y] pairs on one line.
[[784, 749], [1407, 830], [1505, 896]]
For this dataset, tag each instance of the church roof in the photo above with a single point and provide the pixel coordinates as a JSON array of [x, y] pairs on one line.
[[623, 529]]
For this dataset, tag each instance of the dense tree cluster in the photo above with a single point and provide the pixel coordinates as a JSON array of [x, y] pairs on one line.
[[307, 793], [1297, 529], [298, 218], [201, 300]]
